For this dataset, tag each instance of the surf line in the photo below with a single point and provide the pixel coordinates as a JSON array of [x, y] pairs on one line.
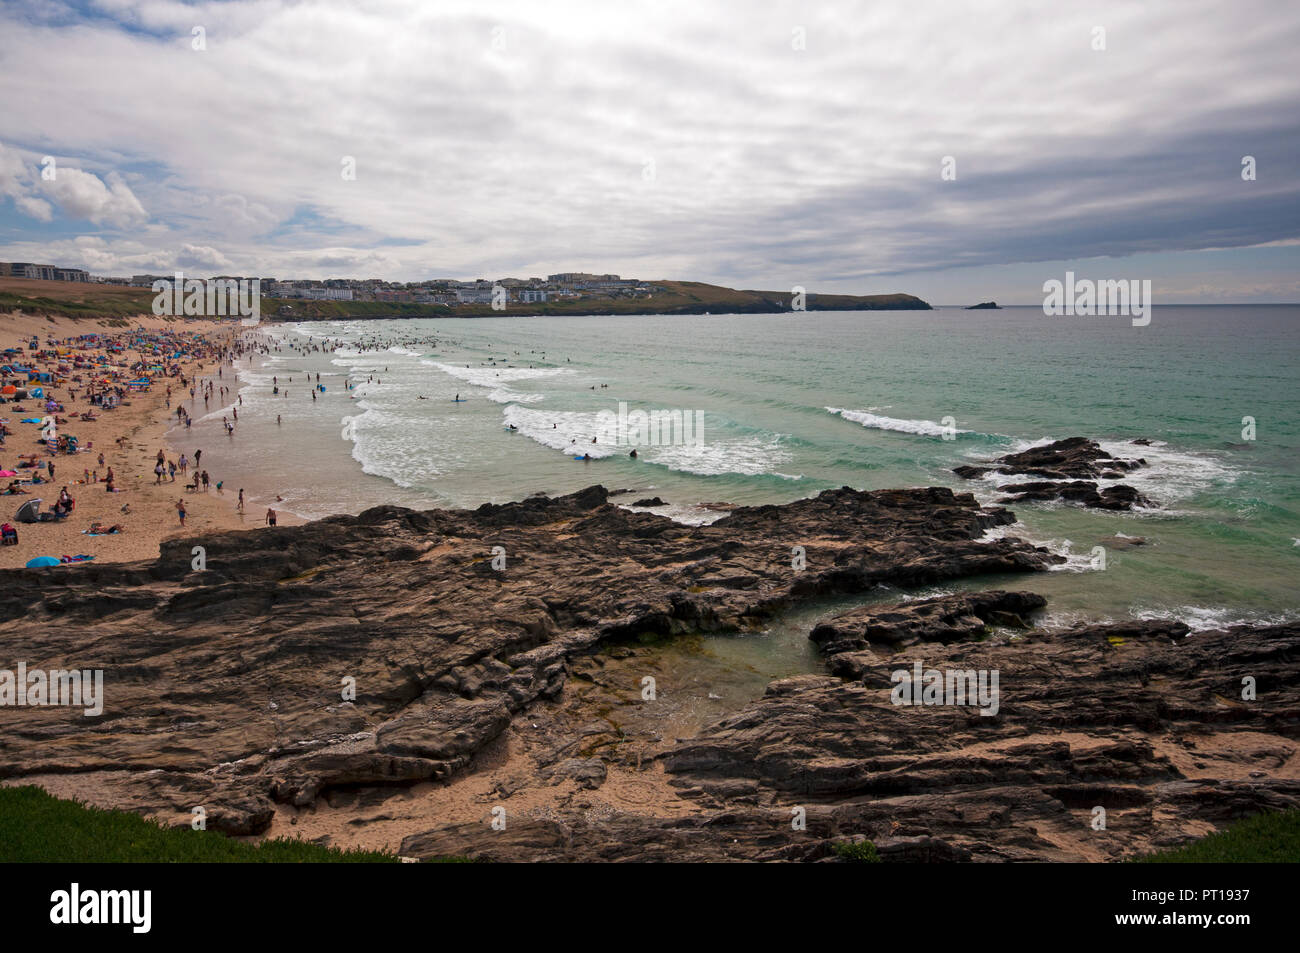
[[653, 428]]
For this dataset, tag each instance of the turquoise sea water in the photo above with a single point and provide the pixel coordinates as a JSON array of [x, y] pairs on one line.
[[1221, 544]]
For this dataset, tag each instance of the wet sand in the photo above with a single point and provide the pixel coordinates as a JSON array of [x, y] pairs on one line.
[[143, 420]]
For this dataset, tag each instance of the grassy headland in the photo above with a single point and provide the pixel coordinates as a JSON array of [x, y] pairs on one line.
[[72, 299]]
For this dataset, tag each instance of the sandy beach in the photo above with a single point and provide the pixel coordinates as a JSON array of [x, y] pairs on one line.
[[146, 511]]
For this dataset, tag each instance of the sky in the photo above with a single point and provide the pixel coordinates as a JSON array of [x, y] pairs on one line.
[[960, 151]]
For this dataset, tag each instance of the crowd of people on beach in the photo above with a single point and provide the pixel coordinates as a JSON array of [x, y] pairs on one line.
[[44, 378]]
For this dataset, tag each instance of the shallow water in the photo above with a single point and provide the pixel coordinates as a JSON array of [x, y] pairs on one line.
[[794, 403]]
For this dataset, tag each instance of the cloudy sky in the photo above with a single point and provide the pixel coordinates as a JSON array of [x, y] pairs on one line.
[[754, 144]]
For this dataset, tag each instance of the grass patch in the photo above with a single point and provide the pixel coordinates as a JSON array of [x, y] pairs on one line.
[[857, 852], [1271, 838], [38, 828]]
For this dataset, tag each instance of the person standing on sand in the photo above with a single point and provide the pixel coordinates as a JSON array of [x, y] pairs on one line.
[[270, 516], [240, 505], [197, 454], [205, 481], [180, 511], [184, 462]]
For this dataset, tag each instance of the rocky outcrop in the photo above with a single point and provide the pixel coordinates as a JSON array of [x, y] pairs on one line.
[[1117, 496], [1139, 719], [1109, 741], [392, 647], [1068, 470], [346, 664], [856, 639]]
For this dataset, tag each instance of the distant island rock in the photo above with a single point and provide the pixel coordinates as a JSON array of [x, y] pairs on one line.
[[984, 306]]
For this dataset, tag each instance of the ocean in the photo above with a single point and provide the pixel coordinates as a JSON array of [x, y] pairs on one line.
[[791, 404]]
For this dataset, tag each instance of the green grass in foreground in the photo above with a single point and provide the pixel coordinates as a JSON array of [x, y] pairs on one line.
[[38, 828], [1272, 838], [859, 852]]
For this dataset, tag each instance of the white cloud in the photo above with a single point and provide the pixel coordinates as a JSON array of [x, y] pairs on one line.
[[84, 195], [201, 256], [15, 183], [772, 166]]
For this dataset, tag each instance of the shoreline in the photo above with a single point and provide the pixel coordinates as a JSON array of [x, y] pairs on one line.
[[143, 423]]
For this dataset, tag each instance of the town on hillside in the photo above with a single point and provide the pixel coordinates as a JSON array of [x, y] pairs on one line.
[[565, 286]]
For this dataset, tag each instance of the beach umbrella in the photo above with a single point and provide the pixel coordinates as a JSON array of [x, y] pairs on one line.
[[42, 561]]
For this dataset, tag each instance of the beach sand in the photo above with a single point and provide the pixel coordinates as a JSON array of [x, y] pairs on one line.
[[143, 420]]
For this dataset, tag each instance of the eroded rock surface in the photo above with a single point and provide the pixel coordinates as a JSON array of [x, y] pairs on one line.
[[386, 649], [1068, 470], [518, 687], [1140, 719]]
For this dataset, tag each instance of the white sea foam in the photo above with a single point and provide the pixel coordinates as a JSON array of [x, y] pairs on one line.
[[567, 431], [689, 515], [749, 456], [1074, 561], [1169, 477], [496, 376], [924, 428], [572, 431], [1204, 618], [381, 444]]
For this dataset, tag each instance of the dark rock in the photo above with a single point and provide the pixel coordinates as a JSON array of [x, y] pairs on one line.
[[1075, 458], [952, 618], [241, 667], [1123, 542], [1118, 496]]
